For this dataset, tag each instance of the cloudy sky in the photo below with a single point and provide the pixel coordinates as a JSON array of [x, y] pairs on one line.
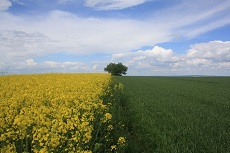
[[151, 37]]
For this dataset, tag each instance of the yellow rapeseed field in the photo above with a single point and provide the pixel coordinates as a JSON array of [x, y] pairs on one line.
[[55, 113]]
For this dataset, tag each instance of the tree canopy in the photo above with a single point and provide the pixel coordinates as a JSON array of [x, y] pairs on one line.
[[116, 69]]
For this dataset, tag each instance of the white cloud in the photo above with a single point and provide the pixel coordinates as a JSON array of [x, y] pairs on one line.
[[60, 65], [211, 58], [34, 37], [19, 45], [65, 66], [32, 66], [31, 62], [224, 65], [113, 4], [24, 37], [107, 4], [193, 17], [5, 5], [213, 50], [157, 53]]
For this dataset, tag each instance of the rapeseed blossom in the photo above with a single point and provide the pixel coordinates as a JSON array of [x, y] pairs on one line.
[[54, 112], [121, 141]]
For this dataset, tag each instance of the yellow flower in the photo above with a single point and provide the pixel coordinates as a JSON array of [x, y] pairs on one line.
[[87, 137], [10, 148], [43, 150], [110, 127], [108, 116], [121, 141], [113, 147], [54, 110]]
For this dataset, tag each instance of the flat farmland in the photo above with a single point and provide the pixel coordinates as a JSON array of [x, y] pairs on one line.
[[177, 114]]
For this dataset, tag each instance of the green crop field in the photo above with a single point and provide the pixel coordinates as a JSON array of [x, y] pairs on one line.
[[177, 114]]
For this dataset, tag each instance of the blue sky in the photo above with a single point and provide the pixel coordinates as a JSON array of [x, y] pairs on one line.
[[151, 37]]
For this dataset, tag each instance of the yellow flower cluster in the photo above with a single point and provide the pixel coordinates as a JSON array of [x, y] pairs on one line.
[[121, 142], [52, 112]]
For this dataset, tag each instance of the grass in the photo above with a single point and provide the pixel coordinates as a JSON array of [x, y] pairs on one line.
[[177, 114]]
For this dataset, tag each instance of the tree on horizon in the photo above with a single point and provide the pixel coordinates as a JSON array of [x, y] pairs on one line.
[[116, 69]]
